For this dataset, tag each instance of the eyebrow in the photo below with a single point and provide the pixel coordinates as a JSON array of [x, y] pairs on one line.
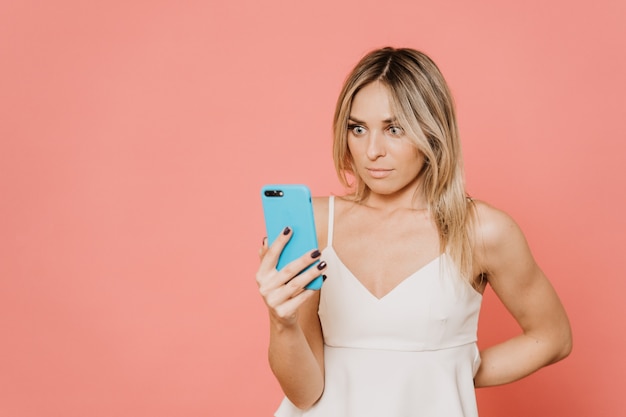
[[387, 121]]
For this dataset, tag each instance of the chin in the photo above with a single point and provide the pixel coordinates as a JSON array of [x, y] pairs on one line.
[[383, 189], [389, 188]]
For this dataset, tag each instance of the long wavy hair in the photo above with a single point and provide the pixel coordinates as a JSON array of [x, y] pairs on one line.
[[424, 107]]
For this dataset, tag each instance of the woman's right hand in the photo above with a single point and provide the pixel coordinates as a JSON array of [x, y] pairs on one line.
[[283, 291]]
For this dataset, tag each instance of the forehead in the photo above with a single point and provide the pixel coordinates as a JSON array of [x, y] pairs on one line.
[[373, 101]]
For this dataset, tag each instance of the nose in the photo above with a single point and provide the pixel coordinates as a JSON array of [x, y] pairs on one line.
[[376, 145]]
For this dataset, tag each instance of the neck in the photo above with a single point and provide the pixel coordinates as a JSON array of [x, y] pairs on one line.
[[413, 200]]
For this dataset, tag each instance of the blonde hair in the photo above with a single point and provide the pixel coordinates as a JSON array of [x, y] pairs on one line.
[[424, 107]]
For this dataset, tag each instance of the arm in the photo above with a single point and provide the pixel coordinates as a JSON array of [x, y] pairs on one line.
[[296, 355], [296, 351], [503, 254]]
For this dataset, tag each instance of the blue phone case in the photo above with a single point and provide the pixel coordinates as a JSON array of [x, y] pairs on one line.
[[290, 205]]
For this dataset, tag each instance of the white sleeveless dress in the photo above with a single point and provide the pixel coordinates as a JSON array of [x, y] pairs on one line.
[[410, 353]]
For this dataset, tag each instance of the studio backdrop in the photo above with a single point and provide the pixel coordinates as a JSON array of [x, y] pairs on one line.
[[134, 139]]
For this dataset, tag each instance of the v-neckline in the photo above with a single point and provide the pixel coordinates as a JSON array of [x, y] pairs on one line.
[[392, 290]]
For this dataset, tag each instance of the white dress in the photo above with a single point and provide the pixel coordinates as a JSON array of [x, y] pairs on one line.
[[410, 353]]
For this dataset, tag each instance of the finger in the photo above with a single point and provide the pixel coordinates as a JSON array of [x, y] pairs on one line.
[[289, 308], [270, 279], [271, 255], [277, 291], [263, 248], [297, 284], [298, 265]]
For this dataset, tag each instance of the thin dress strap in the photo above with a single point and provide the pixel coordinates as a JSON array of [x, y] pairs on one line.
[[331, 220]]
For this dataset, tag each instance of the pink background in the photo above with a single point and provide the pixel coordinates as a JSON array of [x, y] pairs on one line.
[[135, 135]]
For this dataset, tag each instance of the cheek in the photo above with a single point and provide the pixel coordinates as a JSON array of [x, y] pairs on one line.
[[350, 155], [414, 158], [415, 152], [408, 151], [350, 144], [353, 147]]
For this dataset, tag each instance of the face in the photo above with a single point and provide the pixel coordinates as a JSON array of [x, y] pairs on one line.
[[385, 159]]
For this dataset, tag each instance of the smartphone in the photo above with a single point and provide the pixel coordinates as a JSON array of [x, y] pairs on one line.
[[290, 205]]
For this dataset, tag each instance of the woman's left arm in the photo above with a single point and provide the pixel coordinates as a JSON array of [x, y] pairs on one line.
[[515, 277]]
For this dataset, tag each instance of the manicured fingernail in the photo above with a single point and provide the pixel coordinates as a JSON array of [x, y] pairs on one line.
[[315, 254], [263, 243], [321, 265], [324, 277], [286, 231]]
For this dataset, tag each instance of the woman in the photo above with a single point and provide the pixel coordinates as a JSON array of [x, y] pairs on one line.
[[407, 257]]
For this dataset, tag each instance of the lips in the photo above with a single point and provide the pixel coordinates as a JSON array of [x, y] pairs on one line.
[[379, 173]]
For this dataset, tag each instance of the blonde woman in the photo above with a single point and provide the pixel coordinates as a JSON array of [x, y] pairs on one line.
[[407, 256]]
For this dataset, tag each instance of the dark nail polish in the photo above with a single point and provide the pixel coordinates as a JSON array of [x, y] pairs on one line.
[[286, 231], [315, 254], [263, 243], [321, 265], [324, 277]]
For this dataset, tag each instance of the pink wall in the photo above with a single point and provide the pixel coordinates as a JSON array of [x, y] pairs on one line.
[[134, 136]]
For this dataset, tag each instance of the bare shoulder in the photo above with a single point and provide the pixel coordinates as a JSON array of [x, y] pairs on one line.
[[320, 210], [492, 226], [497, 238], [320, 204]]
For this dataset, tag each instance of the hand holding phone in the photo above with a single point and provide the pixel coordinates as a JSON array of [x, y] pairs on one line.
[[289, 205]]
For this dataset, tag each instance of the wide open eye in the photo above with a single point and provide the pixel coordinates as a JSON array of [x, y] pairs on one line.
[[396, 131], [356, 130]]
